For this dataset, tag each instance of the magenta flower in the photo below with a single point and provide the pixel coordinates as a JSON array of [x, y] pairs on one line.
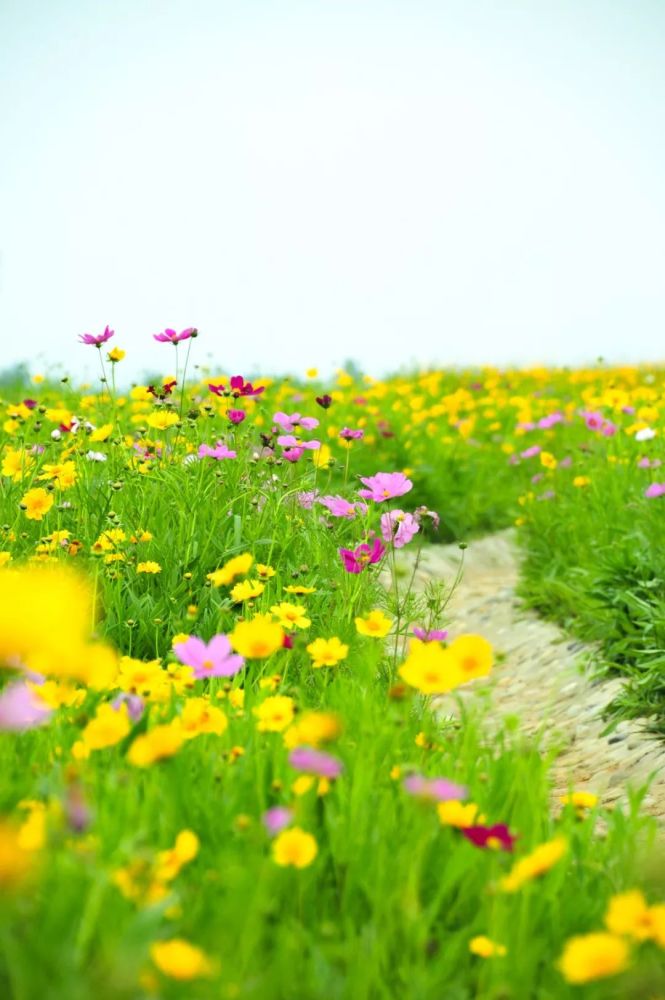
[[290, 441], [90, 338], [531, 452], [315, 762], [171, 337], [339, 507], [219, 452], [20, 708], [358, 559], [398, 527], [276, 819], [655, 490], [497, 837], [237, 388], [593, 420], [351, 435], [293, 454], [433, 635], [236, 416], [385, 486], [434, 789], [550, 420], [325, 402], [212, 659]]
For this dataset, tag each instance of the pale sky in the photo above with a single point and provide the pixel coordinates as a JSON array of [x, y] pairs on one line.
[[305, 181]]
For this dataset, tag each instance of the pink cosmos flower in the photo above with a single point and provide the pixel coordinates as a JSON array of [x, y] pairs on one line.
[[236, 416], [290, 441], [289, 423], [433, 635], [531, 452], [293, 454], [20, 708], [90, 338], [351, 435], [134, 703], [358, 559], [398, 527], [550, 420], [237, 388], [212, 659], [276, 819], [339, 507], [307, 498], [171, 337], [497, 836], [655, 490], [219, 452], [315, 762], [385, 486], [593, 419], [434, 789]]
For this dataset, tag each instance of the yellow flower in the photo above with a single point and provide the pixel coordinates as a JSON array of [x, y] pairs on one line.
[[237, 566], [265, 572], [180, 960], [458, 814], [327, 652], [430, 668], [593, 956], [142, 677], [541, 859], [62, 474], [312, 729], [312, 372], [302, 784], [473, 655], [102, 433], [294, 847], [32, 832], [629, 914], [547, 460], [198, 717], [56, 695], [375, 624], [157, 744], [484, 947], [36, 503], [108, 727], [170, 862], [15, 863], [116, 354], [148, 567], [258, 638], [322, 457], [291, 616], [5, 557], [275, 713], [299, 589], [246, 590], [580, 800], [16, 464], [162, 420], [581, 481]]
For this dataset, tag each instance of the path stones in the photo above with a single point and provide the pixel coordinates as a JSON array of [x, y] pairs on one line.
[[540, 678]]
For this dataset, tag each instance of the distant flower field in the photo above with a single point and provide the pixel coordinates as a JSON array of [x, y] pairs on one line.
[[222, 773]]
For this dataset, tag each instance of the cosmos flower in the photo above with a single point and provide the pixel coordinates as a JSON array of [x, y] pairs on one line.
[[385, 486], [219, 452], [99, 339], [276, 819], [289, 423], [339, 507], [655, 490], [21, 708], [431, 635], [212, 659], [398, 527], [496, 837], [358, 559], [315, 762], [171, 337], [434, 789]]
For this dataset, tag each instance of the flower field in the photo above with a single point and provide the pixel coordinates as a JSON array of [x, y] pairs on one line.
[[222, 770]]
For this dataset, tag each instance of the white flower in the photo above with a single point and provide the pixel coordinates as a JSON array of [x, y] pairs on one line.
[[646, 434], [96, 456]]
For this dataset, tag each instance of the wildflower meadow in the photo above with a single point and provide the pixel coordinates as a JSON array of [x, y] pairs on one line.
[[237, 759]]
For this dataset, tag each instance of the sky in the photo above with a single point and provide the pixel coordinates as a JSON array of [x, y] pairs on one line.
[[306, 181]]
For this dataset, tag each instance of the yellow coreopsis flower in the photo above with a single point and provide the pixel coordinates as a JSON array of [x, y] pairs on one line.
[[541, 859], [148, 567], [199, 716], [458, 814], [170, 862], [108, 727], [246, 591], [327, 652], [275, 713], [157, 744], [312, 729], [294, 848], [116, 354], [375, 624], [102, 433], [180, 960], [593, 956], [36, 503], [629, 914], [258, 638], [484, 947], [291, 616], [16, 463], [161, 420], [15, 863], [237, 566]]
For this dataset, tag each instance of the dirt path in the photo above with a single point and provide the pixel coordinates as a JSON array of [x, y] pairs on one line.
[[541, 678]]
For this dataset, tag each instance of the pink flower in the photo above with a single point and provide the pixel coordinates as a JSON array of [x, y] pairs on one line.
[[20, 708], [531, 452], [219, 452], [212, 659], [236, 416], [497, 836], [433, 635], [385, 486], [339, 507], [171, 337], [315, 762], [550, 420], [434, 789], [655, 490], [290, 441], [398, 527], [276, 819], [593, 420], [293, 454], [350, 435], [90, 338], [134, 703], [307, 498], [356, 560], [237, 388], [289, 423]]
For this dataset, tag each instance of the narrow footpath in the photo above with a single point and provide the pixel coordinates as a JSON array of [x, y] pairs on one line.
[[543, 676]]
